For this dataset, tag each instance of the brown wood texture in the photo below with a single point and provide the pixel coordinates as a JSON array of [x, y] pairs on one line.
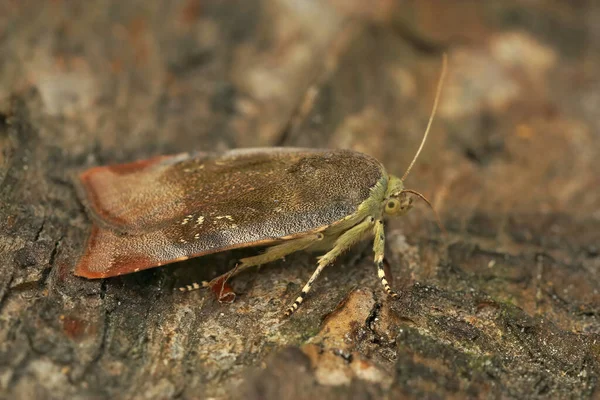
[[506, 306]]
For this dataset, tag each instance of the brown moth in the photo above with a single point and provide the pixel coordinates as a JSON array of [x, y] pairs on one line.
[[170, 208]]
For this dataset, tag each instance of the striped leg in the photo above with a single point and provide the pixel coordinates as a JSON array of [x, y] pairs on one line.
[[343, 243], [378, 249], [189, 288], [272, 253]]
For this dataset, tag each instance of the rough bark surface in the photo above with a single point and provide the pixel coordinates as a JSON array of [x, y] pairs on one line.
[[506, 305]]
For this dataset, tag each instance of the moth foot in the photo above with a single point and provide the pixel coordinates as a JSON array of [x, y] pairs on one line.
[[190, 288], [291, 309]]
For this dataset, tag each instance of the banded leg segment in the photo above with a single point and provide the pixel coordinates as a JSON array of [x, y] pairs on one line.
[[379, 250], [272, 253], [343, 243]]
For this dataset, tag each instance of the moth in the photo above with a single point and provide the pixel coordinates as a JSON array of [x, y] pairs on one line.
[[171, 208]]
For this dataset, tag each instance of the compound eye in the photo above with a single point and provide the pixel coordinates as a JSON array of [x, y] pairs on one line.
[[392, 206]]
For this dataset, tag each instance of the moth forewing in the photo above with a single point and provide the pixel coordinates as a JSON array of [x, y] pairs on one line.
[[197, 204]]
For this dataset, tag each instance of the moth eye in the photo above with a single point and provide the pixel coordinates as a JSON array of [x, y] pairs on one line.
[[392, 205]]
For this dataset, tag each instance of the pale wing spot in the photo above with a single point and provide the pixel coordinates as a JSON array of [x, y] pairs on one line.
[[199, 220], [227, 217], [189, 170], [197, 236]]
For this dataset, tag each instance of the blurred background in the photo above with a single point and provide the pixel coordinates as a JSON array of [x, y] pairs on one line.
[[505, 305]]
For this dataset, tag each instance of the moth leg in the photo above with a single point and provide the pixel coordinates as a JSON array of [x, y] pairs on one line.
[[378, 249], [190, 288], [279, 251], [343, 243], [271, 254]]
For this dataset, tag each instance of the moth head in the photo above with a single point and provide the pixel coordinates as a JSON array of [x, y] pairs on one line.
[[398, 204]]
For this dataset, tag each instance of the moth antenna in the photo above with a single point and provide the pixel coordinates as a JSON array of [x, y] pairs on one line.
[[437, 217], [433, 111]]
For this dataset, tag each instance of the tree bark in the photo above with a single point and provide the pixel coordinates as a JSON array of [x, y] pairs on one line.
[[506, 305]]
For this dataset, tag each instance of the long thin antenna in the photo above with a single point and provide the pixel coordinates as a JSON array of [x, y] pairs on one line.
[[433, 111], [437, 217]]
